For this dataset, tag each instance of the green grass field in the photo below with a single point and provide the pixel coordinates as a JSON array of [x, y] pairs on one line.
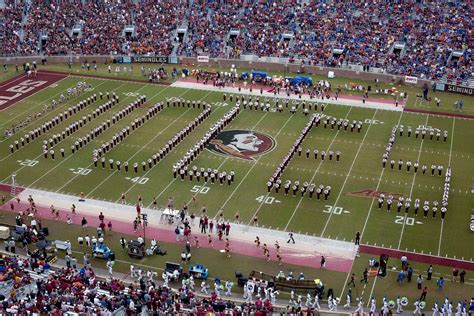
[[359, 169], [340, 217]]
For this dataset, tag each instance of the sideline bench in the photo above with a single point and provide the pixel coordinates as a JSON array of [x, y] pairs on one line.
[[38, 276], [61, 245]]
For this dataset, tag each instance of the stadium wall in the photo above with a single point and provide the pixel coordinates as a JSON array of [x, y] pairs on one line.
[[227, 63]]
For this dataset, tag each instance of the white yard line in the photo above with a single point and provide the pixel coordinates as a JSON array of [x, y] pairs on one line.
[[126, 262], [348, 173], [372, 290], [42, 103], [369, 104], [136, 153], [163, 191], [220, 166], [253, 166], [227, 157], [347, 279], [376, 190], [449, 165], [310, 181], [144, 146], [21, 168], [5, 74], [129, 189], [7, 83], [11, 154], [68, 157], [412, 186]]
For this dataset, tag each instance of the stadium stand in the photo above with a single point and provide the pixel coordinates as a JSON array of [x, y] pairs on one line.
[[425, 39], [10, 25], [29, 285]]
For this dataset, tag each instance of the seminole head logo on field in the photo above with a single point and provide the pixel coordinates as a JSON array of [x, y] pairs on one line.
[[242, 144]]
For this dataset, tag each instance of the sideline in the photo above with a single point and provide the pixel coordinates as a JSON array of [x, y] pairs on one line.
[[80, 75]]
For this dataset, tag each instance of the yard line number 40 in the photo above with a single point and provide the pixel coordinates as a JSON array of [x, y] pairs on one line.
[[138, 180]]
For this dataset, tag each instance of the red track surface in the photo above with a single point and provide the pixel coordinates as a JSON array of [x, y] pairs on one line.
[[290, 255], [459, 115], [429, 259], [7, 188], [21, 87]]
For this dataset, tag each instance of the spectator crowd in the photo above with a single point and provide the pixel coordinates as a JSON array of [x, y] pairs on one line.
[[320, 33], [30, 286]]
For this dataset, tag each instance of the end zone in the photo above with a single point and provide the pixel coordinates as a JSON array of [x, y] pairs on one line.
[[21, 87]]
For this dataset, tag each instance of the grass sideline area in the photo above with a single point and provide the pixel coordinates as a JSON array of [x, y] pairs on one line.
[[413, 102]]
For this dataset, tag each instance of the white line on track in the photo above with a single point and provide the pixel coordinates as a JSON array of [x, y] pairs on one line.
[[449, 165], [67, 158], [348, 173], [376, 189], [412, 186], [250, 170], [312, 178]]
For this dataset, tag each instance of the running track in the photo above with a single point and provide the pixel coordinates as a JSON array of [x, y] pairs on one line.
[[429, 259], [167, 234]]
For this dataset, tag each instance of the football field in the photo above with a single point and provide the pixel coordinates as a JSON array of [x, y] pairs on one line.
[[356, 180]]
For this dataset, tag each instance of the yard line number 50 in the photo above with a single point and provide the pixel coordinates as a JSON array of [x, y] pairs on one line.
[[200, 189]]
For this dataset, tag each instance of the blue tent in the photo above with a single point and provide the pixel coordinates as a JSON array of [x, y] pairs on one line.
[[255, 75], [259, 75], [304, 80]]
